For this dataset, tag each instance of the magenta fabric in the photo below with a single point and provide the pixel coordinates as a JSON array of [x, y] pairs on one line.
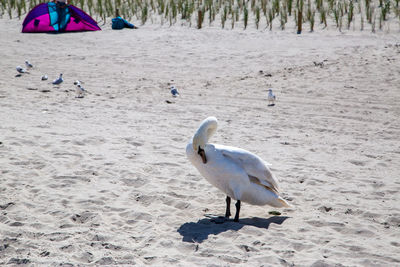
[[86, 23], [38, 20], [43, 24]]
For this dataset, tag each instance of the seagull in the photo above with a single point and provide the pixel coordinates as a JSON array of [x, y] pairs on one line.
[[59, 80], [28, 64], [44, 77], [80, 91], [174, 91], [77, 82], [238, 173], [271, 98], [21, 69]]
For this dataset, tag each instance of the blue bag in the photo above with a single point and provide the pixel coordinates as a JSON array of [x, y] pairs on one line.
[[119, 23]]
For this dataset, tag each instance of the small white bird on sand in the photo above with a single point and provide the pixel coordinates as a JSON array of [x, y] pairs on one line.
[[21, 69], [44, 77], [174, 91], [80, 91], [240, 174], [59, 80], [271, 98], [28, 64]]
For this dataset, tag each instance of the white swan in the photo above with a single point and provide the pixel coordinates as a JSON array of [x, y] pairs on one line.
[[240, 174]]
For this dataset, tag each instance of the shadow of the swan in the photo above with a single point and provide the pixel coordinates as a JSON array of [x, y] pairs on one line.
[[197, 232]]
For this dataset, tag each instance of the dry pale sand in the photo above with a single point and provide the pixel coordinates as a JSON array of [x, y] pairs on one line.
[[104, 179]]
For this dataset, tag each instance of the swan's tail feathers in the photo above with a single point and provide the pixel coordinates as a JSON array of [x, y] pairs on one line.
[[280, 203], [284, 203]]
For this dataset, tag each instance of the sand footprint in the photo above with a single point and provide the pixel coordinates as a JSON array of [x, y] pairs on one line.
[[83, 217]]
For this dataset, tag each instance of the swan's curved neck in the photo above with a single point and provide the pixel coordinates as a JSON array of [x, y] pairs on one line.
[[203, 134]]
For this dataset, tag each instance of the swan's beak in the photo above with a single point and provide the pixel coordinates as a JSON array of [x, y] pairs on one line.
[[202, 154]]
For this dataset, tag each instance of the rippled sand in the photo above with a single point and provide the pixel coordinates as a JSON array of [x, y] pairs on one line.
[[104, 179]]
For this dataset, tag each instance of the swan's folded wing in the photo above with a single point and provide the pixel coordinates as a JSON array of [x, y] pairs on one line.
[[253, 165]]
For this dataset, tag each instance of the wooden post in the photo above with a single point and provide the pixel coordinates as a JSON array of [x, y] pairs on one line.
[[300, 16], [199, 19]]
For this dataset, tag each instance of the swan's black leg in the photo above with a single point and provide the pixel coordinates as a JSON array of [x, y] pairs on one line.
[[228, 207], [237, 211]]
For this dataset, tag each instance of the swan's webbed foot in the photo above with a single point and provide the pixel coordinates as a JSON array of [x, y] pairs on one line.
[[228, 207], [237, 211]]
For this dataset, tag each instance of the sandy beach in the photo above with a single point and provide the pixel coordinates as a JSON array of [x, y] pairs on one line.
[[104, 179]]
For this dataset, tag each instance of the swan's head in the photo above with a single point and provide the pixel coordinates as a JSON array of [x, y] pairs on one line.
[[203, 134]]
